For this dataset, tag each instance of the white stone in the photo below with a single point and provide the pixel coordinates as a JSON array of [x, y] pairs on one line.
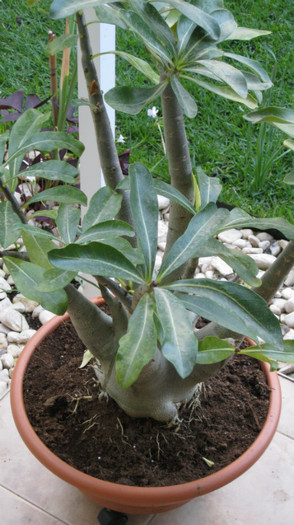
[[232, 246], [230, 235], [4, 284], [7, 361], [289, 281], [265, 245], [246, 232], [241, 243], [3, 295], [5, 303], [162, 246], [222, 267], [280, 303], [282, 318], [251, 249], [204, 260], [199, 275], [275, 309], [288, 293], [4, 329], [162, 231], [264, 236], [14, 350], [28, 303], [3, 342], [10, 280], [13, 320], [275, 249], [10, 372], [283, 243], [289, 335], [20, 337], [19, 307], [289, 320], [37, 311], [2, 273], [3, 388], [289, 306], [210, 274], [263, 260], [163, 202], [1, 366], [4, 376], [254, 241], [260, 274]]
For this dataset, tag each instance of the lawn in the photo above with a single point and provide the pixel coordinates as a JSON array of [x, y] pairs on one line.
[[221, 141]]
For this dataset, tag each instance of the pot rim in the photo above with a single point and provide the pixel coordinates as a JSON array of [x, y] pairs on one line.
[[182, 491]]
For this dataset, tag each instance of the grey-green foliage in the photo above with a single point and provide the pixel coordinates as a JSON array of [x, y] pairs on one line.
[[152, 312]]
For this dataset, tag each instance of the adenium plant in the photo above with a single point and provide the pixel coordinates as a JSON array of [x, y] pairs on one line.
[[150, 360]]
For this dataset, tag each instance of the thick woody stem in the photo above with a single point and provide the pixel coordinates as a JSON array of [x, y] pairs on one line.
[[15, 206], [105, 142]]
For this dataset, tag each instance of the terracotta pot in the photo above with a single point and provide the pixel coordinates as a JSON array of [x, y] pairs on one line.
[[134, 500]]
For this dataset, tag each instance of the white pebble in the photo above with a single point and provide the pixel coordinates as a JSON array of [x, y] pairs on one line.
[[13, 320], [37, 311], [289, 305], [230, 236], [199, 275], [289, 281], [4, 284], [254, 241], [289, 320], [283, 243], [19, 307], [2, 273], [210, 274], [163, 202], [263, 260], [20, 337], [4, 376], [288, 293], [275, 249], [5, 303], [221, 266], [4, 329], [280, 303], [264, 236], [251, 249], [10, 281], [3, 341], [241, 243], [246, 232], [3, 388], [275, 309], [162, 231], [45, 316], [2, 295], [265, 245], [14, 350], [289, 335], [28, 303], [7, 361]]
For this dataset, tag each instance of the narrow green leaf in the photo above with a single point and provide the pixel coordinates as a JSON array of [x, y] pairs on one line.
[[268, 352], [247, 33], [67, 222], [138, 63], [103, 206], [228, 74], [241, 263], [55, 279], [51, 214], [209, 187], [60, 43], [106, 230], [47, 141], [132, 100], [290, 145], [213, 350], [39, 231], [66, 8], [226, 22], [110, 15], [96, 259], [240, 219], [179, 344], [231, 305], [3, 139], [185, 28], [55, 170], [144, 208], [202, 226], [251, 64], [10, 225], [28, 277], [271, 114], [184, 98], [151, 15], [225, 92], [165, 189], [38, 246], [134, 255], [138, 345], [24, 128], [193, 13], [62, 194]]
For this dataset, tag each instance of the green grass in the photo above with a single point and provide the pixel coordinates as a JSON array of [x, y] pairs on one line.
[[221, 141]]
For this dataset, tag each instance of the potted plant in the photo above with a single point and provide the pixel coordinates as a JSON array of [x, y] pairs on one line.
[[150, 359]]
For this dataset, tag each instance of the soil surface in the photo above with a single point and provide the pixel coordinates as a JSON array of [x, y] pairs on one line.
[[90, 432]]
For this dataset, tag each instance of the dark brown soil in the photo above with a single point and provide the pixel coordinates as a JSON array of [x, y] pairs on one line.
[[91, 433]]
